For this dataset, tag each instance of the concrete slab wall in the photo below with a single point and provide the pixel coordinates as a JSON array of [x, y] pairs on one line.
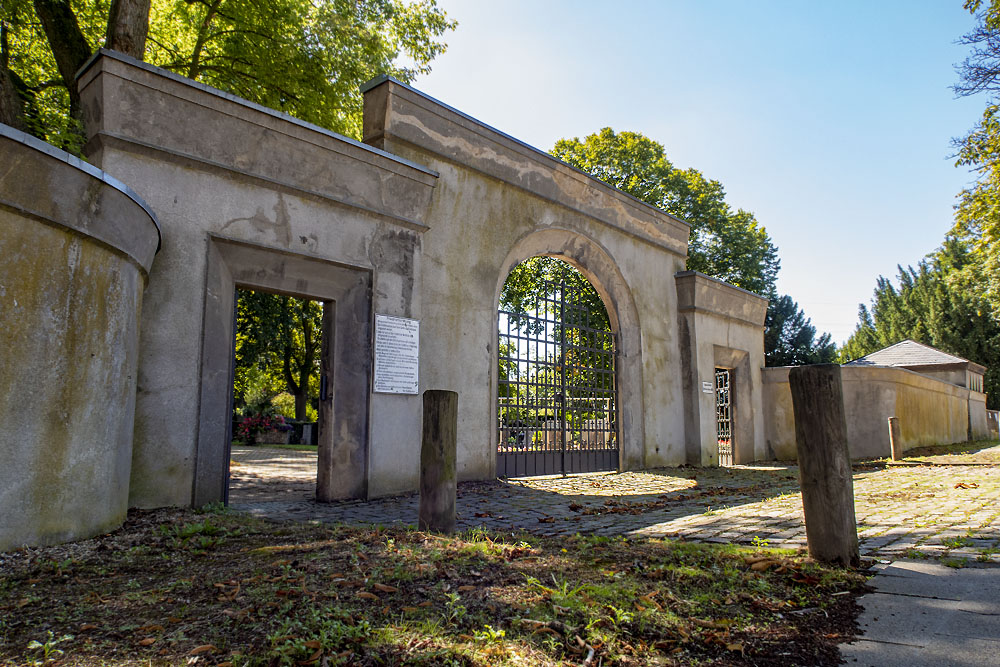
[[930, 410], [499, 202], [76, 248], [252, 176], [721, 326]]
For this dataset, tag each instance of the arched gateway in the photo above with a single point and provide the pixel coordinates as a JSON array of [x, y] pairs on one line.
[[421, 223]]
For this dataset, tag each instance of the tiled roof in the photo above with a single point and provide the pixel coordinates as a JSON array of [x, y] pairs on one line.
[[908, 353]]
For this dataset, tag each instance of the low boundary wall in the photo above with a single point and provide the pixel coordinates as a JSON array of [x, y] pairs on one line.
[[930, 411]]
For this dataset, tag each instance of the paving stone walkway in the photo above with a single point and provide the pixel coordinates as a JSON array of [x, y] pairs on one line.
[[942, 512]]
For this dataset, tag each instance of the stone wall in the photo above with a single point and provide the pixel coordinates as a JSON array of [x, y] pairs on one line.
[[930, 410], [76, 247], [721, 326]]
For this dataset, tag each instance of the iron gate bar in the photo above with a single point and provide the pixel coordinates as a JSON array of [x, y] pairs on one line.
[[724, 415], [556, 395]]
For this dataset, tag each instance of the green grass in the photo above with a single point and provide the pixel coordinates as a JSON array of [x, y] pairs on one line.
[[172, 585]]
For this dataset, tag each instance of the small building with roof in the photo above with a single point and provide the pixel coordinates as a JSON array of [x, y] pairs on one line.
[[927, 360], [937, 396]]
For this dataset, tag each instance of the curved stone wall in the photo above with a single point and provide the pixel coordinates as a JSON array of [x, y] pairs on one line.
[[77, 246]]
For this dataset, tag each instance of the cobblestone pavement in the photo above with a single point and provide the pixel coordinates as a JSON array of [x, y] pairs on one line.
[[945, 512]]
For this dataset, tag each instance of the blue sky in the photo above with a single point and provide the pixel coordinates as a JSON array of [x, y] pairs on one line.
[[831, 121]]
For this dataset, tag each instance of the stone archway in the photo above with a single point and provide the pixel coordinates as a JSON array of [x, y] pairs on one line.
[[600, 269]]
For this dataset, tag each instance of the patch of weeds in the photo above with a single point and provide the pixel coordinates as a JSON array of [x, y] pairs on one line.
[[957, 563], [217, 507], [46, 651], [454, 611], [956, 542], [915, 554], [760, 542]]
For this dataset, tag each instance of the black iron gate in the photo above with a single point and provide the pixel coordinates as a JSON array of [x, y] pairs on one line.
[[557, 399], [724, 415]]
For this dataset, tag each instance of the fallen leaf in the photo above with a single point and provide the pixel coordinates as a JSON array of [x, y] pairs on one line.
[[966, 485], [150, 628], [88, 626], [762, 565], [425, 603], [313, 644], [466, 589], [204, 648], [366, 595], [385, 588], [147, 641], [410, 609], [735, 647]]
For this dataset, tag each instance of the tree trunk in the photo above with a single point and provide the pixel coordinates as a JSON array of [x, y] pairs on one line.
[[11, 106], [128, 24], [68, 45]]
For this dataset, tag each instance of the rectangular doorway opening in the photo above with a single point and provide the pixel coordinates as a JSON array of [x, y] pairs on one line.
[[724, 414], [281, 380]]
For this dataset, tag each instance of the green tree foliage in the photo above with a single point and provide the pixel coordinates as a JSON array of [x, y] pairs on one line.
[[585, 363], [790, 338], [939, 304], [277, 347], [726, 244], [304, 57], [977, 215]]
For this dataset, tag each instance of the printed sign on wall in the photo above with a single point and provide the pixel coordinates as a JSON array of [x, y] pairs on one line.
[[397, 355]]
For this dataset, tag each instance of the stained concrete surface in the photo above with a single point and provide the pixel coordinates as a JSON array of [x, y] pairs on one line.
[[925, 613]]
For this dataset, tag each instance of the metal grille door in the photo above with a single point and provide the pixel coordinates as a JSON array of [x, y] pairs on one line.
[[724, 415], [556, 392]]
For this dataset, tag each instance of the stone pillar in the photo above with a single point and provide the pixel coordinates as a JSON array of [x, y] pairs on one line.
[[824, 464], [895, 439], [77, 246], [437, 461]]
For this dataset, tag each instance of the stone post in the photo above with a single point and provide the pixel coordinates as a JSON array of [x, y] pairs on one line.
[[895, 439], [824, 464], [437, 461]]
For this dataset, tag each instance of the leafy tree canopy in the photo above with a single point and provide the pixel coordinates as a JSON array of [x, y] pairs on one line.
[[977, 215], [939, 303], [277, 349], [726, 244], [790, 338], [304, 57]]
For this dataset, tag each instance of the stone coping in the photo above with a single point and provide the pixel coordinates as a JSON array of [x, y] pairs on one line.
[[115, 55], [63, 196]]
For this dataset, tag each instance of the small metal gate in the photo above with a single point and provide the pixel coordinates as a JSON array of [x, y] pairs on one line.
[[724, 415], [557, 401]]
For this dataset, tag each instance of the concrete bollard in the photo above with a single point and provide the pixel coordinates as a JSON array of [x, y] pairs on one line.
[[895, 439], [437, 461], [824, 464]]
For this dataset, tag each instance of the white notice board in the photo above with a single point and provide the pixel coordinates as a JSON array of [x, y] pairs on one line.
[[397, 355]]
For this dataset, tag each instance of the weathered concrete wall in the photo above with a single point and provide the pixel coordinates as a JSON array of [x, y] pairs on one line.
[[76, 248], [497, 203], [222, 173], [721, 326], [930, 411]]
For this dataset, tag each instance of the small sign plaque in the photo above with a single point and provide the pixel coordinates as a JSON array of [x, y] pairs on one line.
[[707, 387], [397, 355]]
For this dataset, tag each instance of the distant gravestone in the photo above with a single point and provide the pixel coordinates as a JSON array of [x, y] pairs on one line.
[[824, 464], [437, 461]]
